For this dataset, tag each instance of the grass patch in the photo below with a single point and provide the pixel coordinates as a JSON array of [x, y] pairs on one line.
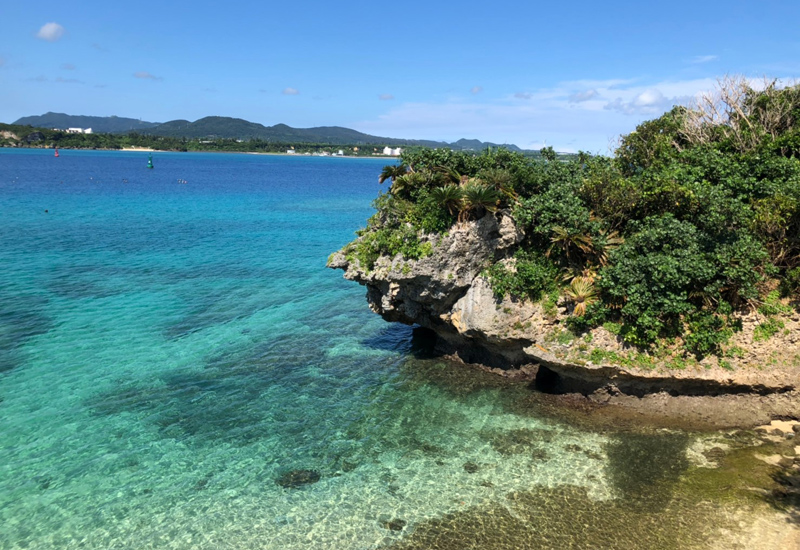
[[766, 330]]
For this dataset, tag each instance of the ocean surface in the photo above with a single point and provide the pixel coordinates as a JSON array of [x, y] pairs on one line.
[[172, 347]]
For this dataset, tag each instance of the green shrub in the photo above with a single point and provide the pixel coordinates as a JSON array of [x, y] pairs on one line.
[[766, 330], [387, 241], [533, 275], [706, 333], [790, 286], [429, 215], [772, 305], [652, 276]]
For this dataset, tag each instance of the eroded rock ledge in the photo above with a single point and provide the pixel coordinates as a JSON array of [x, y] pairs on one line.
[[446, 293]]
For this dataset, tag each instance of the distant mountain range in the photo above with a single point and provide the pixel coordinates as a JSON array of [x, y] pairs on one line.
[[237, 128], [98, 124]]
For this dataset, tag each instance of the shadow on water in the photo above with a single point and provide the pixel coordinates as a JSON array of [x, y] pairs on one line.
[[786, 495], [79, 282], [211, 308], [650, 511], [417, 341], [21, 318], [222, 401], [556, 519], [644, 468]]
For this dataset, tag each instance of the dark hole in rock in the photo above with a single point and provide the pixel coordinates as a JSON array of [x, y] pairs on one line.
[[423, 342], [548, 381], [297, 478]]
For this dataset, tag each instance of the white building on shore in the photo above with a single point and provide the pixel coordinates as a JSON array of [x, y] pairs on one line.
[[388, 151]]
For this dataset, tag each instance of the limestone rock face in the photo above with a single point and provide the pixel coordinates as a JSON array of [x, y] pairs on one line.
[[446, 293], [424, 291]]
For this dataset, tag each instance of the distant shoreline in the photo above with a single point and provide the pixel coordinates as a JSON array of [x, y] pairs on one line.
[[151, 150]]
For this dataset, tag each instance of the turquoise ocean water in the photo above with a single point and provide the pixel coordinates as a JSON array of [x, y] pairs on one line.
[[171, 344]]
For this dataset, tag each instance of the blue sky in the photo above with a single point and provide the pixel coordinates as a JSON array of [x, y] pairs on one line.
[[572, 75]]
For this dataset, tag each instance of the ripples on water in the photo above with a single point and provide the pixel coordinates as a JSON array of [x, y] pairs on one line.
[[167, 352]]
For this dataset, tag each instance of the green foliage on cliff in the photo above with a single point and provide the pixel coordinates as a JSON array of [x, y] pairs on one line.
[[696, 216], [396, 229], [532, 275]]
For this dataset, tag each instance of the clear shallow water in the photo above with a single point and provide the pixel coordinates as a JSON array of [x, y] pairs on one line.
[[168, 350]]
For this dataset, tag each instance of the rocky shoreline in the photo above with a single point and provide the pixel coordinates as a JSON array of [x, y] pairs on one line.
[[445, 292]]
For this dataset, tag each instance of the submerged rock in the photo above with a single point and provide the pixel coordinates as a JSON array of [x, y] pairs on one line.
[[297, 478], [471, 467], [394, 524]]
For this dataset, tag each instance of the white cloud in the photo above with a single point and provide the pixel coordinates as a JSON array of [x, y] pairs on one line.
[[144, 75], [476, 90], [386, 97], [50, 32], [548, 115], [652, 101], [68, 80], [580, 97], [2, 61], [290, 91], [68, 67], [703, 59]]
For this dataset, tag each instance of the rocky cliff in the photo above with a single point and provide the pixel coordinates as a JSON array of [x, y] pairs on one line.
[[446, 292]]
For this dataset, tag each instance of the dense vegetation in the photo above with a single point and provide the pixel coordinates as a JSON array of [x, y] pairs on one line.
[[27, 136], [15, 135], [99, 124], [696, 217], [236, 130]]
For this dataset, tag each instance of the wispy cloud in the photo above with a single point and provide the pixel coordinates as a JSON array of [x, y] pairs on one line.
[[40, 78], [703, 59], [580, 97], [69, 80], [476, 90], [68, 67], [2, 61], [99, 47], [648, 102], [559, 116], [144, 75], [290, 91], [50, 32], [386, 97]]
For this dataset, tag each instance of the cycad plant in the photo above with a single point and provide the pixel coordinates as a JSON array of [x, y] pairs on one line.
[[392, 172], [582, 293], [603, 245], [499, 179], [569, 241], [403, 185], [478, 199], [448, 196]]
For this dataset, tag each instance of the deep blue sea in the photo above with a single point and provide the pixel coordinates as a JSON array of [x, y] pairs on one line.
[[171, 344]]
